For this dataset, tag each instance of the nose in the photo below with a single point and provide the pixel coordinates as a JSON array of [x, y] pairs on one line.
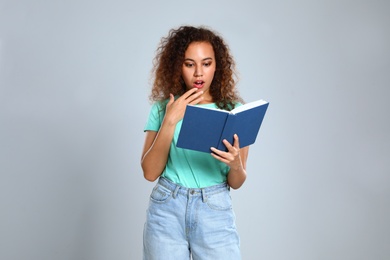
[[198, 71]]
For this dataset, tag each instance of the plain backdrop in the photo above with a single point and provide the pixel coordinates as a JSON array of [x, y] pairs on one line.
[[74, 86]]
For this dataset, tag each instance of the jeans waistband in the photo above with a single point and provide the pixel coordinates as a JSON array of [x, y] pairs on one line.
[[204, 192]]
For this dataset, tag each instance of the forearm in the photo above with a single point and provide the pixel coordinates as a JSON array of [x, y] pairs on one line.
[[236, 177], [156, 148], [237, 173], [154, 160]]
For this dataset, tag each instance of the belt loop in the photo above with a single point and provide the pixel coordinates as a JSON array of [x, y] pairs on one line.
[[174, 195], [204, 196]]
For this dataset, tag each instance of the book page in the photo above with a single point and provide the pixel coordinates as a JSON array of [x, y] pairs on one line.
[[210, 108], [248, 106]]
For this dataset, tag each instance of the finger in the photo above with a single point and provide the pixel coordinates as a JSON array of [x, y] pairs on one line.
[[171, 99], [236, 141], [196, 97], [218, 152], [196, 101], [233, 150], [227, 144], [189, 93], [217, 155], [226, 156]]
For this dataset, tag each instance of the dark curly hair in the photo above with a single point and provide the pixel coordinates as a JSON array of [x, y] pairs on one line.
[[166, 73]]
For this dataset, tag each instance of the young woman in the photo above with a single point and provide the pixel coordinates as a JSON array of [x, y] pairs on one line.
[[190, 211]]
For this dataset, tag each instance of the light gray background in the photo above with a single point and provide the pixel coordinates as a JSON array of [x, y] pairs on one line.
[[74, 85]]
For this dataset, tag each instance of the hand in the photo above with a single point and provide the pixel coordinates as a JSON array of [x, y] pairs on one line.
[[232, 157], [175, 108]]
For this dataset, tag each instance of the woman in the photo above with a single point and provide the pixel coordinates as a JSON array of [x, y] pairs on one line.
[[190, 212]]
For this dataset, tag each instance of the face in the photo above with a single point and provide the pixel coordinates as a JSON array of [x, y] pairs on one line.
[[199, 67]]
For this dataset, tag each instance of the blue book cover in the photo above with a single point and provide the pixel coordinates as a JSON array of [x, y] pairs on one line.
[[204, 127]]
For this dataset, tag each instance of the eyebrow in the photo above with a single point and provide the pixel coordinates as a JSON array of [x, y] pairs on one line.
[[188, 59]]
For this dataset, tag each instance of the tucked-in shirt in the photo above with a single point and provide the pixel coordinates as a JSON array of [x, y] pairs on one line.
[[188, 168]]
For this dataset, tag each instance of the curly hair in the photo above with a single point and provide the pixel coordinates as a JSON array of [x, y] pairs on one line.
[[166, 73]]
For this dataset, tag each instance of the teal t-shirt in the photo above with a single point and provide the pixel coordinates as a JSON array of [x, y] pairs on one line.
[[191, 169]]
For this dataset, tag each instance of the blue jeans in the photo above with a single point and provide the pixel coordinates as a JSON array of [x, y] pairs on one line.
[[183, 222]]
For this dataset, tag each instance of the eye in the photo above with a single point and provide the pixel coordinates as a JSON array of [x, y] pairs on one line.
[[207, 64], [188, 65]]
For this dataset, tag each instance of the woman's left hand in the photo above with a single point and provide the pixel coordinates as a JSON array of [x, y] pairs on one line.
[[232, 157]]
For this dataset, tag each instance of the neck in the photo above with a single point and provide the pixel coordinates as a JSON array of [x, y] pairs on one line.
[[207, 98], [206, 102]]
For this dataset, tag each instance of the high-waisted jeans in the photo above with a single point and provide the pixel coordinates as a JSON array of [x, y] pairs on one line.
[[183, 222]]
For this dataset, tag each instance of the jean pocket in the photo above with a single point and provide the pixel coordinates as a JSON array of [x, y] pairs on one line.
[[160, 194], [220, 201]]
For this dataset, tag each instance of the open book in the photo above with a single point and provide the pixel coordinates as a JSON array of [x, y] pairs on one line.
[[204, 127]]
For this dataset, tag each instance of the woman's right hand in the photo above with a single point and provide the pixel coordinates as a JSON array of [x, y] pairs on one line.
[[175, 108], [157, 144]]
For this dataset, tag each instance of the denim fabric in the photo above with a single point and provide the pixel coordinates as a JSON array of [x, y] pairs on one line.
[[183, 222]]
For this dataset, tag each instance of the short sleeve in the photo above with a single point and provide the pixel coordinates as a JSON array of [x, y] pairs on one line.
[[155, 118], [238, 104]]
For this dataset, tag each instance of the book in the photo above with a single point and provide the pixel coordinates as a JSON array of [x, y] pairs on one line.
[[203, 127]]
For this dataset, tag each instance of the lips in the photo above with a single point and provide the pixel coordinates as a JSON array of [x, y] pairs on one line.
[[198, 84]]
